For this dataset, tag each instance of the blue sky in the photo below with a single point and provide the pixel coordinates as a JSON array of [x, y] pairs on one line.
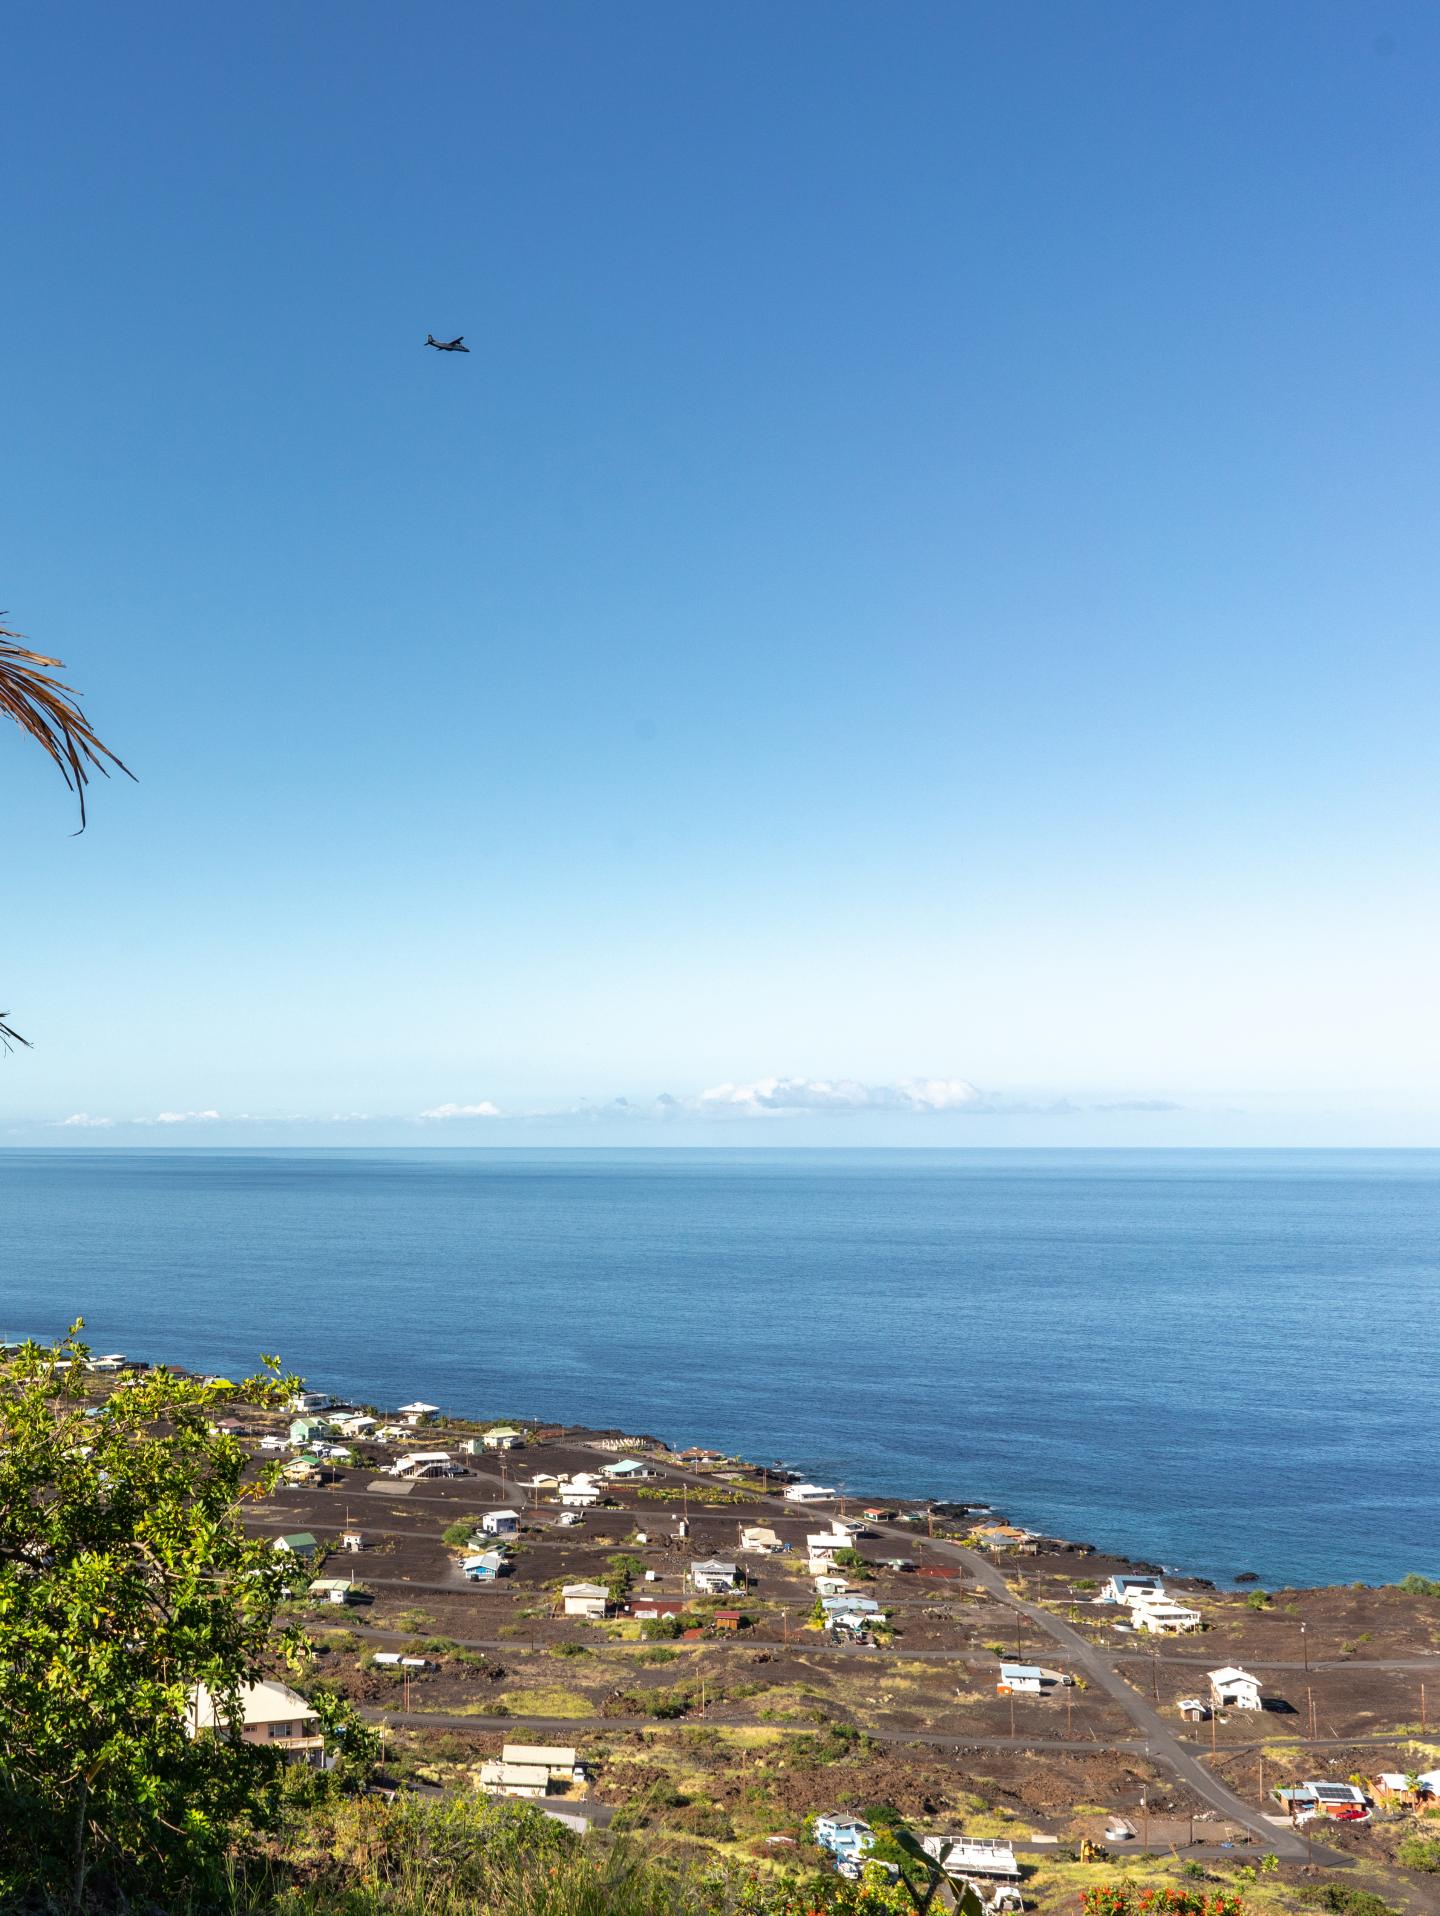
[[927, 575]]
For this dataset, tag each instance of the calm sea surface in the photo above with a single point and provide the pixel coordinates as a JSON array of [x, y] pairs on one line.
[[1222, 1360]]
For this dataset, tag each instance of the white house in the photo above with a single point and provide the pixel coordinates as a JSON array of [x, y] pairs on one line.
[[627, 1470], [713, 1575], [298, 1543], [1163, 1618], [808, 1493], [579, 1494], [418, 1413], [760, 1539], [830, 1586], [844, 1836], [424, 1463], [585, 1599], [1234, 1689], [1130, 1590], [500, 1523], [503, 1437], [1026, 1679], [825, 1544], [332, 1589], [269, 1713]]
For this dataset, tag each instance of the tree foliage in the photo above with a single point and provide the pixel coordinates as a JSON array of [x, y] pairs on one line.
[[126, 1578]]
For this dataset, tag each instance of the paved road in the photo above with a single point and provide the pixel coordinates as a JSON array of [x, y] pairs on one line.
[[1159, 1741], [440, 1720], [1422, 1664]]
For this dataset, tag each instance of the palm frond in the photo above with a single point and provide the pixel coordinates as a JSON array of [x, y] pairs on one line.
[[9, 1035], [49, 711]]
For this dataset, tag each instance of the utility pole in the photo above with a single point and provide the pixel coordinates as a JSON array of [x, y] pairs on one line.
[[1012, 1713], [1144, 1821], [1069, 1715], [1422, 1706], [1310, 1702], [1305, 1648], [1155, 1673], [1214, 1725]]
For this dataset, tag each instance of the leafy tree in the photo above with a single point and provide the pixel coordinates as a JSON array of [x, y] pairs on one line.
[[126, 1579], [459, 1533]]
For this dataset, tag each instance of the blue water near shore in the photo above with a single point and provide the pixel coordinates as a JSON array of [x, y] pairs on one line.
[[1223, 1361]]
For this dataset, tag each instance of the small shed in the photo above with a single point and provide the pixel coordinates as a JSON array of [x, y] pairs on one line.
[[299, 1543]]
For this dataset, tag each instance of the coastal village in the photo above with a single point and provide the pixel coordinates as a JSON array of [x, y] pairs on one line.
[[643, 1637]]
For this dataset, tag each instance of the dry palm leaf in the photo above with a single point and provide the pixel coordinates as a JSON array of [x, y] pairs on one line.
[[49, 711]]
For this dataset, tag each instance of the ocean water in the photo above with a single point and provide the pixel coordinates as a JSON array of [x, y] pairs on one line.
[[1224, 1361]]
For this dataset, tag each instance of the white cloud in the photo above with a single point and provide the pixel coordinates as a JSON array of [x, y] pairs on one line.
[[485, 1110], [839, 1095], [182, 1117], [83, 1121]]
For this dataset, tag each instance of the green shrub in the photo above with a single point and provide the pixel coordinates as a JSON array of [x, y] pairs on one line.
[[1418, 1586], [1344, 1900], [1419, 1852]]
